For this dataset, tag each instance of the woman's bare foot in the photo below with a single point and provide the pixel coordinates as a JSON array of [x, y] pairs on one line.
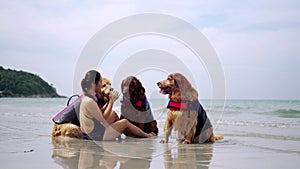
[[149, 135]]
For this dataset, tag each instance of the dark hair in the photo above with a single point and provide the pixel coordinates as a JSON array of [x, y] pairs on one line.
[[91, 76]]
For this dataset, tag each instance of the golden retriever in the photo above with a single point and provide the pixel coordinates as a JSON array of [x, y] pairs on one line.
[[135, 106], [66, 130], [103, 101], [185, 113], [105, 90], [71, 128], [66, 123]]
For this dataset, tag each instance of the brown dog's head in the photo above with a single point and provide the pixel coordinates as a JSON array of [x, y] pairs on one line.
[[132, 89], [178, 87]]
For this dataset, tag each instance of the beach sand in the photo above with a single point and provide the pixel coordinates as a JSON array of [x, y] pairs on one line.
[[142, 153], [26, 143], [235, 151]]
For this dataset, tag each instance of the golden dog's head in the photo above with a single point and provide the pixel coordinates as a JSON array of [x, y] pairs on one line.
[[177, 85], [106, 86], [105, 90]]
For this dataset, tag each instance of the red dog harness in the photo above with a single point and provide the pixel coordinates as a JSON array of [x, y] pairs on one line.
[[203, 122], [184, 105], [141, 103]]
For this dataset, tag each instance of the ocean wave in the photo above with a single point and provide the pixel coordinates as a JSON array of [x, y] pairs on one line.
[[26, 115], [259, 124], [287, 113]]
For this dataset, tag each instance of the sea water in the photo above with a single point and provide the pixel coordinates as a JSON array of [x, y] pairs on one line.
[[257, 133]]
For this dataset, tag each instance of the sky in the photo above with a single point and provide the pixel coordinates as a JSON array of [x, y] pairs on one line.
[[257, 43]]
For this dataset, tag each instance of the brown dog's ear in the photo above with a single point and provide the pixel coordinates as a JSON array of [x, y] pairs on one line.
[[122, 86], [140, 87], [137, 87], [124, 83]]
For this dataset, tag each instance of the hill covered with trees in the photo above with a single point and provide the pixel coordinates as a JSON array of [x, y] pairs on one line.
[[23, 84]]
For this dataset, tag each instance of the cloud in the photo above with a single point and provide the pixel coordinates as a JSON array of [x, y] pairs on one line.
[[256, 62], [46, 38]]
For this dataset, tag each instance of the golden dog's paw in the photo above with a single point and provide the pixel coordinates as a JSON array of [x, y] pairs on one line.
[[180, 140], [218, 137], [164, 141], [186, 142]]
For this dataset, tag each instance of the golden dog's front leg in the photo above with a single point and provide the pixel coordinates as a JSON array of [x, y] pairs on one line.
[[190, 118], [190, 135], [167, 130]]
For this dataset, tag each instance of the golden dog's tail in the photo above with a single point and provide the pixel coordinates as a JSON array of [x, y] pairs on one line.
[[218, 137]]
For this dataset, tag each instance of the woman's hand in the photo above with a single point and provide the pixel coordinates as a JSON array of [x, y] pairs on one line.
[[114, 95]]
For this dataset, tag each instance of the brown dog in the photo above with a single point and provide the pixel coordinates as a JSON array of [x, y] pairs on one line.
[[135, 106], [185, 113]]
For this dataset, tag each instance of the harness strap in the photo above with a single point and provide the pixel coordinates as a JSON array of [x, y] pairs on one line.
[[70, 98], [177, 105], [141, 103], [203, 121], [102, 102], [184, 105]]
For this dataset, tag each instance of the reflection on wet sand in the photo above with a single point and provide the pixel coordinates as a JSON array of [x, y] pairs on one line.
[[75, 153], [141, 153], [66, 152], [188, 156]]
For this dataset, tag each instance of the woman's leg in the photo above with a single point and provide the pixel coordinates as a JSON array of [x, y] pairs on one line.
[[115, 129], [113, 117]]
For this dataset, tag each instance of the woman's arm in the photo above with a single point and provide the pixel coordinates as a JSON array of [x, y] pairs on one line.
[[112, 98], [107, 108]]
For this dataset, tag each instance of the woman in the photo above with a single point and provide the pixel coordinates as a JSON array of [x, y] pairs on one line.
[[92, 123]]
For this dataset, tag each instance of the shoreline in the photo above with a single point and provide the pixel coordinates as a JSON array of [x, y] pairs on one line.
[[34, 96]]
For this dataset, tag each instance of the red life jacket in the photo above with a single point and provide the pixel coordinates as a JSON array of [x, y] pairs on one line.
[[184, 105], [140, 103]]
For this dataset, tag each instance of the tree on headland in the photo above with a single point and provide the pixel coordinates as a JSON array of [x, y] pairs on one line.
[[23, 84]]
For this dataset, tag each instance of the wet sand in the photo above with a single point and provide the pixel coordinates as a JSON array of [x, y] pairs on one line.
[[43, 152], [251, 140]]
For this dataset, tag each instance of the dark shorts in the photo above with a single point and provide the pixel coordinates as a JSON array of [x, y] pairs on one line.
[[97, 134]]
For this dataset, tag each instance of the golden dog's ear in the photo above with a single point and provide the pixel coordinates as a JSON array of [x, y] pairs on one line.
[[179, 80], [104, 80], [184, 85], [186, 88]]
